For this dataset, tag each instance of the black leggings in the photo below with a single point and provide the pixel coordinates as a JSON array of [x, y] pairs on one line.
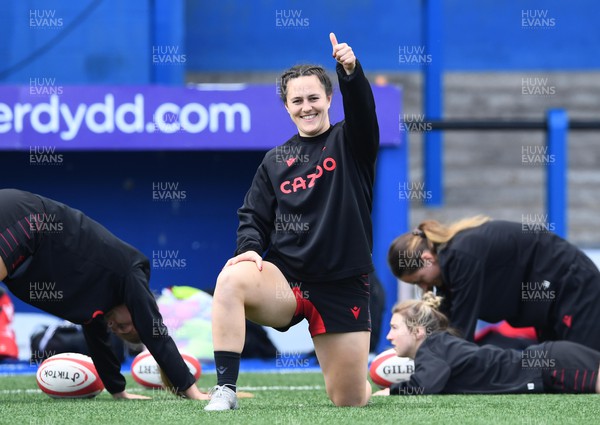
[[568, 367]]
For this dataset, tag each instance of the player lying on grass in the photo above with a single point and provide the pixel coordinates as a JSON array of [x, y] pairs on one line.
[[448, 364], [324, 174], [497, 270], [64, 263]]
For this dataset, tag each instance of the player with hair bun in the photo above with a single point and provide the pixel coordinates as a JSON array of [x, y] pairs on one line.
[[497, 270], [448, 364]]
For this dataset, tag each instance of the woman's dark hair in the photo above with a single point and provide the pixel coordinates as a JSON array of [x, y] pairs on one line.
[[303, 71]]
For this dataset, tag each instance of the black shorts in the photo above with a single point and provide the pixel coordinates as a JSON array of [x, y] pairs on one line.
[[572, 367], [332, 307], [575, 316]]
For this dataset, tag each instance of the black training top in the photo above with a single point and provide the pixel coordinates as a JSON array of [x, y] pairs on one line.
[[66, 264], [507, 271], [446, 364], [311, 198]]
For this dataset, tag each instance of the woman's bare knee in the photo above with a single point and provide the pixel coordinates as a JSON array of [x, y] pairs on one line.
[[343, 358], [265, 295], [233, 281], [346, 398]]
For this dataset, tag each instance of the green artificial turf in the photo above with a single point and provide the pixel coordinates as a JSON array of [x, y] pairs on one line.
[[290, 399]]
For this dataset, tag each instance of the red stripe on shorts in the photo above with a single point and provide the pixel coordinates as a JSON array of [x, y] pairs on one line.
[[316, 326]]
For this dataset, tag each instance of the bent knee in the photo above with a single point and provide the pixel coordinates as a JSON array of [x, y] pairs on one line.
[[356, 398], [345, 401], [234, 279]]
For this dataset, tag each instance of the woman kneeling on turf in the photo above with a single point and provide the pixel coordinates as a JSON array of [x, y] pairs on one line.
[[447, 364], [318, 270]]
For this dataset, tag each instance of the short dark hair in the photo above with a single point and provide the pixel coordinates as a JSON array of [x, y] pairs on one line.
[[302, 71]]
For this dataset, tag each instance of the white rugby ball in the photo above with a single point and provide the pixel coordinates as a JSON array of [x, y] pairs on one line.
[[69, 375], [145, 372], [387, 368]]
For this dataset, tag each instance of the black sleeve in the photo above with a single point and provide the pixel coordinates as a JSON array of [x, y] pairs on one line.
[[430, 377], [465, 276], [360, 119], [18, 224], [257, 215], [97, 337], [150, 327]]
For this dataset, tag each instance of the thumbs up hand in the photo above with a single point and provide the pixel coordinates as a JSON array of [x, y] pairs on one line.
[[343, 54]]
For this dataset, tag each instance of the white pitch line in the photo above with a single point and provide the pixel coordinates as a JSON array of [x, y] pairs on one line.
[[259, 388], [141, 390], [27, 391], [284, 388]]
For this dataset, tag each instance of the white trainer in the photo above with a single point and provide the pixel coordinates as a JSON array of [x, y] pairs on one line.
[[222, 398]]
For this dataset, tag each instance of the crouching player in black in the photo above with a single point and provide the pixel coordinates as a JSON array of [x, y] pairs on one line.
[[447, 364], [62, 262]]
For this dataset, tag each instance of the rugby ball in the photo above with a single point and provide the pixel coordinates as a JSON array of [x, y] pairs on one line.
[[69, 375], [145, 371], [387, 368]]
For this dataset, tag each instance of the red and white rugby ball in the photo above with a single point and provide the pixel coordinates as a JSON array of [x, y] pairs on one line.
[[387, 368], [145, 372], [69, 375]]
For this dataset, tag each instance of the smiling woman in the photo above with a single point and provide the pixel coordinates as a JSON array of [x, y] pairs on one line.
[[306, 92], [316, 269]]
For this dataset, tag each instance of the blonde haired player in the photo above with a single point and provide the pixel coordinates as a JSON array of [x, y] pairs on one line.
[[447, 364], [497, 270]]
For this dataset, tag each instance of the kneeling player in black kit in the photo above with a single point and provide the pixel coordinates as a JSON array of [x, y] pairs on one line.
[[447, 364], [319, 271], [91, 278]]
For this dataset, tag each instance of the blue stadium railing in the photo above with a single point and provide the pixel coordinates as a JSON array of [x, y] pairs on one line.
[[556, 125]]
